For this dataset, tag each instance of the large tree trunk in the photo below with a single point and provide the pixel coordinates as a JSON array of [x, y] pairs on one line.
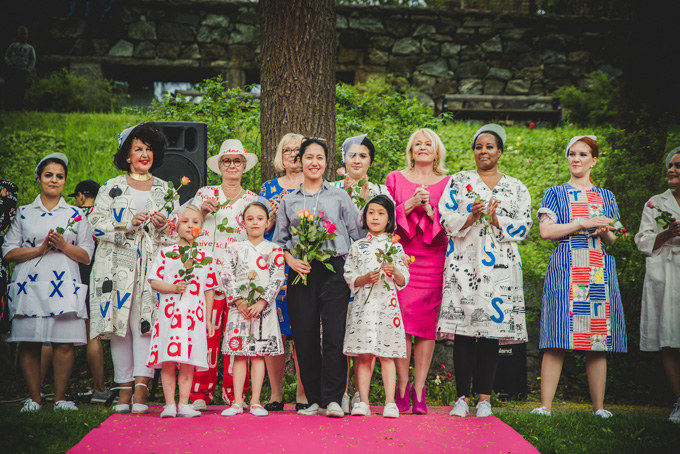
[[297, 73]]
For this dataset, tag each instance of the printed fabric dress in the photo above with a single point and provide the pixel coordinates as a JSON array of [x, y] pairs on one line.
[[260, 336], [483, 292], [272, 190], [581, 308], [179, 332], [374, 323]]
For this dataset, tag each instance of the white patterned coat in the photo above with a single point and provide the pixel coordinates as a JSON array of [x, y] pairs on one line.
[[483, 293]]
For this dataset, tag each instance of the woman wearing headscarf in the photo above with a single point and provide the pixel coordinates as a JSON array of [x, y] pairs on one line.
[[357, 154], [130, 226], [47, 298], [485, 213], [581, 308], [416, 191], [222, 207], [660, 314]]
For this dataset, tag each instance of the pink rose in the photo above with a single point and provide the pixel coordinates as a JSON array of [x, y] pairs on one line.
[[327, 224], [650, 205], [78, 218], [341, 171], [321, 214], [332, 228]]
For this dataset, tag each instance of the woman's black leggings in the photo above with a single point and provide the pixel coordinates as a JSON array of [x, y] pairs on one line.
[[476, 356]]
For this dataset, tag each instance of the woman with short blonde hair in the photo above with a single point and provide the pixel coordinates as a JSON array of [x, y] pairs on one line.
[[438, 147]]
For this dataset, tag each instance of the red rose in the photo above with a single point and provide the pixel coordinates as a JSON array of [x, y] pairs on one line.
[[532, 125], [469, 188]]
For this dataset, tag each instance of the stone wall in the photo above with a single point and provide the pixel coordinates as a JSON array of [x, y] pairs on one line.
[[436, 51]]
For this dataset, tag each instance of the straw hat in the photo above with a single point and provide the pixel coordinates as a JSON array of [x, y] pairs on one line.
[[232, 147]]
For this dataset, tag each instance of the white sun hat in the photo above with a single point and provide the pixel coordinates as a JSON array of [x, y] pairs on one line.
[[232, 147]]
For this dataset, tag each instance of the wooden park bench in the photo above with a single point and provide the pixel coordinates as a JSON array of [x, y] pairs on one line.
[[501, 107]]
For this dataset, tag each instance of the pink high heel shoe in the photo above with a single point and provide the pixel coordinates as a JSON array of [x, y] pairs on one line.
[[419, 407], [404, 402]]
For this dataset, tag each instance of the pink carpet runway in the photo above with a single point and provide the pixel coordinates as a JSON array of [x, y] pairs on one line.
[[286, 432]]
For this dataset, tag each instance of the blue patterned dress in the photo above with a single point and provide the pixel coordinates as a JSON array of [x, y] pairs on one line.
[[272, 190], [581, 308]]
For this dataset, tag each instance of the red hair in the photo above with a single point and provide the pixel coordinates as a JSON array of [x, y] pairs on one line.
[[594, 149]]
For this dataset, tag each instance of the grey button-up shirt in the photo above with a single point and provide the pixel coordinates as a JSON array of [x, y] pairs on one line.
[[337, 207]]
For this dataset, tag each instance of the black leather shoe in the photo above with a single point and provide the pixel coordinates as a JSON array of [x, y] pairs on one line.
[[274, 406], [299, 406]]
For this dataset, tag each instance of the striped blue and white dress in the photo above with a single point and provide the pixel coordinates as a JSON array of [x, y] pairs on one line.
[[581, 308]]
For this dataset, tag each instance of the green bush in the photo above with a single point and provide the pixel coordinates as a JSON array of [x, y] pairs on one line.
[[62, 91], [593, 106]]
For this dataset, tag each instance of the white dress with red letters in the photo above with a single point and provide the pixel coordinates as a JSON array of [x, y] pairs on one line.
[[179, 333], [262, 335]]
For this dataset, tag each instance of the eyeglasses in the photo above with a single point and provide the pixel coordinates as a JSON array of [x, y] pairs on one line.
[[288, 151], [229, 162], [314, 138]]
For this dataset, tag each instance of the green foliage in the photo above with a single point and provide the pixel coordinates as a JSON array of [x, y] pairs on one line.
[[62, 91], [595, 105]]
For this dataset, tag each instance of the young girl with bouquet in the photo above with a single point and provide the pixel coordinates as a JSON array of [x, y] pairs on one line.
[[185, 285], [253, 273], [374, 271]]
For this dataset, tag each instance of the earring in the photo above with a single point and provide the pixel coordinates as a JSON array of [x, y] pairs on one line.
[[128, 160], [413, 163]]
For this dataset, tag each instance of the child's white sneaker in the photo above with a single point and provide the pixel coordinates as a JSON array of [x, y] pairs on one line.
[[187, 411], [345, 403], [483, 409], [675, 414], [361, 409], [258, 410], [234, 410], [309, 411], [65, 405], [200, 405], [169, 411], [541, 411], [460, 408], [334, 410], [391, 411], [30, 406], [602, 413]]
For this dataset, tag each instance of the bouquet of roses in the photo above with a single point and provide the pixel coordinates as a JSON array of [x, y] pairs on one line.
[[189, 257], [254, 293], [664, 219], [354, 190], [385, 256], [169, 198], [313, 233], [62, 230], [484, 218]]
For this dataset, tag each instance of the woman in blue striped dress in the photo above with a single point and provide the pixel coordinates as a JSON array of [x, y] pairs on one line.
[[581, 307]]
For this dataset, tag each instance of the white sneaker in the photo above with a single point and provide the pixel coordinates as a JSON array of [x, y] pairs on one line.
[[483, 409], [65, 405], [356, 399], [334, 410], [311, 410], [169, 411], [30, 406], [200, 405], [361, 409], [258, 410], [391, 411], [602, 413], [675, 414], [140, 409], [541, 411], [345, 403], [234, 410], [121, 408], [188, 411], [460, 408]]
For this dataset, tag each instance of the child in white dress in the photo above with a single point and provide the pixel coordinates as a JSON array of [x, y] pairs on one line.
[[182, 323], [252, 328], [374, 325]]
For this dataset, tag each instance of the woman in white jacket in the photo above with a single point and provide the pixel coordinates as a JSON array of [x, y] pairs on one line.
[[660, 316]]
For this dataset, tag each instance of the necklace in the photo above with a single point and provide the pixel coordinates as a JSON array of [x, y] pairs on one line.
[[235, 197], [140, 177]]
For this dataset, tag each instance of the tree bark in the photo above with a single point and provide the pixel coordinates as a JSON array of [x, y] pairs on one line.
[[297, 75]]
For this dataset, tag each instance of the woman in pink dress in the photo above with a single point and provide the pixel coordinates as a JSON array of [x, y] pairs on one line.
[[416, 191]]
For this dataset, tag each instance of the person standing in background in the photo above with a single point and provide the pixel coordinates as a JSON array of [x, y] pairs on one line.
[[20, 61]]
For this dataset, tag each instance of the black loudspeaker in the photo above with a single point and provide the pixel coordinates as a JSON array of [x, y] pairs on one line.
[[511, 373], [185, 156]]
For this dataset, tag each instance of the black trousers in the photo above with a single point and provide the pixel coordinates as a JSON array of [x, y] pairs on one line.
[[325, 298], [478, 357]]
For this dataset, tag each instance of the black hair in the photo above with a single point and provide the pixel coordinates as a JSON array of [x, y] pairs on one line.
[[256, 204], [371, 148], [386, 203], [307, 141], [43, 164], [152, 136], [499, 141]]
